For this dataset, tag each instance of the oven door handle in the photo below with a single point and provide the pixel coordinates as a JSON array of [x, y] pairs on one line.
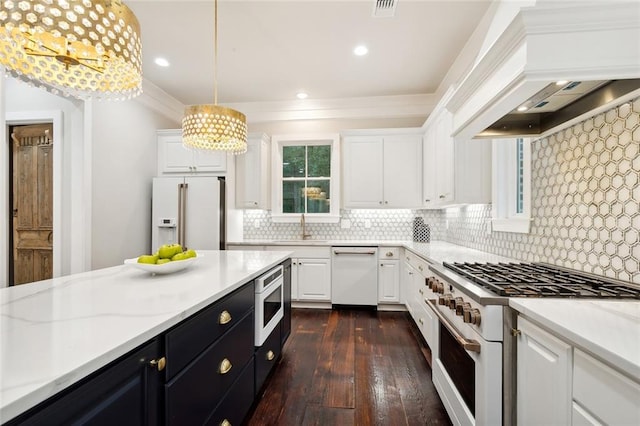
[[469, 345]]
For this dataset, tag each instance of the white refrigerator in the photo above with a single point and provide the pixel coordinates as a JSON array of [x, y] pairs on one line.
[[189, 211]]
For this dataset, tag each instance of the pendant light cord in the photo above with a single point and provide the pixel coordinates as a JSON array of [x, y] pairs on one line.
[[215, 55]]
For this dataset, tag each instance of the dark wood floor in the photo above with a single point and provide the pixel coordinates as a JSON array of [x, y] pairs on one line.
[[350, 367]]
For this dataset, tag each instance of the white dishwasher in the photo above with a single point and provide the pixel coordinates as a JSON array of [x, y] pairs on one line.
[[354, 276]]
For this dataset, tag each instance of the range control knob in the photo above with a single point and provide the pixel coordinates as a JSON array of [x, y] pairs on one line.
[[460, 307], [444, 300], [453, 303], [471, 316], [440, 287], [430, 282]]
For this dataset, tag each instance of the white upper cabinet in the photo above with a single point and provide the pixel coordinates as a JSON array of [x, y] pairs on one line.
[[438, 185], [382, 171], [455, 171], [174, 159], [253, 174]]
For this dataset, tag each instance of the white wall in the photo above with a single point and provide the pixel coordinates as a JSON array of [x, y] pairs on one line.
[[124, 163], [25, 101]]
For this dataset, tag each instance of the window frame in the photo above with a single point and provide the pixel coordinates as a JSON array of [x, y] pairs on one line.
[[278, 142], [504, 214]]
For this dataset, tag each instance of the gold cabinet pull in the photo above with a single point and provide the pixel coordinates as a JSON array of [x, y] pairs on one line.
[[158, 364], [515, 332], [225, 317], [270, 356], [225, 366], [225, 422]]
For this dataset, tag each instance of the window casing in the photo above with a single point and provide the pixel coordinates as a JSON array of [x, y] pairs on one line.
[[306, 178], [511, 185]]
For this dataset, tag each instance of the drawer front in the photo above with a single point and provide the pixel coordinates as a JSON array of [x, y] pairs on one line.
[[237, 402], [195, 392], [421, 265], [604, 392], [189, 339], [267, 356], [390, 253]]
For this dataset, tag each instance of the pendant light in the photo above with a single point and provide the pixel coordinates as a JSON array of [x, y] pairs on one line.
[[213, 127], [79, 48]]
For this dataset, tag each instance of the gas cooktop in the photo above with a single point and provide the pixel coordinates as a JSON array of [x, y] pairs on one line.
[[543, 280]]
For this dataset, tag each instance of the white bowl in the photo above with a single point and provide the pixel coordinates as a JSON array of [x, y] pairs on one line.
[[165, 268]]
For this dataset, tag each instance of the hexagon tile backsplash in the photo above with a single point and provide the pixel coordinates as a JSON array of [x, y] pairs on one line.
[[585, 188]]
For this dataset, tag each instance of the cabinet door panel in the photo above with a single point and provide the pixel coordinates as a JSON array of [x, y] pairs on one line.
[[402, 171], [215, 161], [363, 172], [314, 279], [176, 158], [123, 393], [543, 377], [389, 281]]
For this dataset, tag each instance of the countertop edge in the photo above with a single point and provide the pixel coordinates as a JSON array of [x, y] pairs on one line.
[[602, 353]]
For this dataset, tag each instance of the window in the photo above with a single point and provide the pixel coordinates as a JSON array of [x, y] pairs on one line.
[[305, 178], [511, 185]]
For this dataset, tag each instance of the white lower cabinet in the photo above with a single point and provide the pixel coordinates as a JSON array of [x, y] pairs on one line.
[[389, 275], [602, 395], [544, 377], [310, 272], [312, 279], [414, 285], [559, 384]]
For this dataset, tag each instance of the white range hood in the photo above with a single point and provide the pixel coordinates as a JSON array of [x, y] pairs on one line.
[[590, 45]]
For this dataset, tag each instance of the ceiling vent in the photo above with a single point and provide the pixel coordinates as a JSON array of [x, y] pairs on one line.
[[384, 8]]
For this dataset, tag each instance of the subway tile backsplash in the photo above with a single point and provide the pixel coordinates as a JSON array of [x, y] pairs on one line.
[[585, 205]]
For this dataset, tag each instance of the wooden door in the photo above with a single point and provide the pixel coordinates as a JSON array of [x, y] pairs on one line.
[[32, 203]]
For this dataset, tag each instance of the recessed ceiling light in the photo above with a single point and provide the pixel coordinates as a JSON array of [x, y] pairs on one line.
[[161, 62], [302, 95], [561, 82], [360, 50], [522, 108]]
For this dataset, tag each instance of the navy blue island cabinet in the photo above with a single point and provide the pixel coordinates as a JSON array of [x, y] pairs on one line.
[[203, 370], [125, 392]]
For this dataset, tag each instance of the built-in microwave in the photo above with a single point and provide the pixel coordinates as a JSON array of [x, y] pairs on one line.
[[269, 308]]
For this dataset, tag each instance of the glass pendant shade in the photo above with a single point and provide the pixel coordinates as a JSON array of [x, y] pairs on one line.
[[79, 48], [213, 127]]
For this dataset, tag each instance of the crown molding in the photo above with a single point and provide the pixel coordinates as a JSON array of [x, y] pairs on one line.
[[346, 108], [160, 101], [398, 106]]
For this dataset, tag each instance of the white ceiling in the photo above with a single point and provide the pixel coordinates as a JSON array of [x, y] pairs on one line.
[[270, 50]]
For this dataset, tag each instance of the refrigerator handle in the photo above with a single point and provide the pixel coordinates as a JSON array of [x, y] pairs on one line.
[[182, 209]]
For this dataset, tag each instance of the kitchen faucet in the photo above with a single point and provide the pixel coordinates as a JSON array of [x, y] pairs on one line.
[[303, 226]]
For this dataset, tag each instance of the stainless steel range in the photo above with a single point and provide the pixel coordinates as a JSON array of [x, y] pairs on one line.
[[473, 353]]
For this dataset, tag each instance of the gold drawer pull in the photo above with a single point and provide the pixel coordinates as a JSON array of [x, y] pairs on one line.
[[270, 356], [158, 364], [225, 317], [225, 422], [225, 366]]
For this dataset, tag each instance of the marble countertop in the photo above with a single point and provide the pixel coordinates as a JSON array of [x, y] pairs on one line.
[[435, 251], [609, 330], [55, 332]]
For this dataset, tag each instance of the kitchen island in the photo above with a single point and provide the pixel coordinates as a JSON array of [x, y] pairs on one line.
[[56, 332]]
